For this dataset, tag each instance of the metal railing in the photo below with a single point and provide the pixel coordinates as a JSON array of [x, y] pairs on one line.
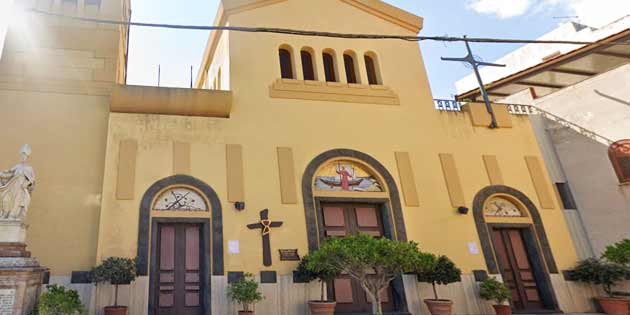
[[520, 109]]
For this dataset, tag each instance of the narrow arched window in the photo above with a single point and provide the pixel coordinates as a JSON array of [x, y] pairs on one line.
[[329, 67], [308, 68], [370, 69], [619, 153], [286, 65], [351, 73]]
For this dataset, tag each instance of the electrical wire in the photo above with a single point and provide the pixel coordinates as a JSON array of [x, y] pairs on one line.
[[329, 34]]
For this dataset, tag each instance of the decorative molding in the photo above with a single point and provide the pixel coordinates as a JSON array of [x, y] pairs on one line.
[[235, 176], [286, 172], [480, 117], [541, 184], [452, 180], [126, 180], [181, 158], [389, 13], [333, 91], [407, 180], [492, 168]]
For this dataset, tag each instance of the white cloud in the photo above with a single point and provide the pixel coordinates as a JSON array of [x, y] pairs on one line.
[[594, 13], [501, 8]]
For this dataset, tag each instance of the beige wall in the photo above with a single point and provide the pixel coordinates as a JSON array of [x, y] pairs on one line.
[[55, 80]]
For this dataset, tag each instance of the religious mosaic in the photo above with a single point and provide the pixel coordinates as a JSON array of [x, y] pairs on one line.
[[501, 207], [346, 176], [180, 199]]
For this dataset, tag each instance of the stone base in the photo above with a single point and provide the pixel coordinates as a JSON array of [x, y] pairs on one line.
[[12, 232], [19, 288]]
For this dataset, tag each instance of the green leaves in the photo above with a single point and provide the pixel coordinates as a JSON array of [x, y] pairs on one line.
[[493, 290], [245, 291], [57, 300], [115, 270], [619, 252], [601, 272], [442, 271]]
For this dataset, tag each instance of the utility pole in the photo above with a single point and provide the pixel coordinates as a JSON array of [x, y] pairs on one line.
[[470, 59]]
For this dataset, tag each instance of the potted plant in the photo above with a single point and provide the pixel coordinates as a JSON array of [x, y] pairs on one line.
[[57, 300], [618, 253], [245, 292], [493, 290], [308, 271], [607, 274], [373, 262], [443, 271], [116, 271]]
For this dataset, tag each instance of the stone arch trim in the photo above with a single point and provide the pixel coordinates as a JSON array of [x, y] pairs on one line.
[[484, 233], [144, 222], [309, 203]]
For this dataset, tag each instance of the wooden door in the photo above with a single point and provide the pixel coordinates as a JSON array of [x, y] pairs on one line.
[[516, 269], [348, 219], [178, 276]]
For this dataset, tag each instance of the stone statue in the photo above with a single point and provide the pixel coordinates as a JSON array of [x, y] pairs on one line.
[[16, 186]]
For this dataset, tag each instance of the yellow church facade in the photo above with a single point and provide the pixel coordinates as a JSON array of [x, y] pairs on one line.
[[306, 138]]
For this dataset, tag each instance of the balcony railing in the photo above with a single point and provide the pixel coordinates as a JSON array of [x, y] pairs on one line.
[[520, 109]]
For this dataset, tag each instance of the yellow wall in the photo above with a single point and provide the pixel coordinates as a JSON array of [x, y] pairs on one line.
[[55, 79], [261, 124]]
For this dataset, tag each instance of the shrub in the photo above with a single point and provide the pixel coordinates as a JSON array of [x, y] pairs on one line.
[[619, 252], [57, 300], [443, 271], [493, 290], [600, 272], [115, 270], [308, 271], [374, 262], [245, 292]]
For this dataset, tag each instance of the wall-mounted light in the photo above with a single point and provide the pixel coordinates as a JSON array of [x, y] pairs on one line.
[[462, 210], [239, 205]]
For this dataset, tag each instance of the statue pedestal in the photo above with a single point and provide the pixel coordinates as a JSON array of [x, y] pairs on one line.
[[21, 275]]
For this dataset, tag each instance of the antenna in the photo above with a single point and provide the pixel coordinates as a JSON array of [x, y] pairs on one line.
[[470, 59], [191, 76], [159, 74]]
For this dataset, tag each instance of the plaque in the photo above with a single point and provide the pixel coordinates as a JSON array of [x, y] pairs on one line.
[[7, 299], [289, 255]]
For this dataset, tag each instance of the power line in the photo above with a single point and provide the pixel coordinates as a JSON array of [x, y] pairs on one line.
[[328, 34]]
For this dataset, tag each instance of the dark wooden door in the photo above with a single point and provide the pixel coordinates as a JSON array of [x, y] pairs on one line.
[[348, 219], [516, 269], [178, 286]]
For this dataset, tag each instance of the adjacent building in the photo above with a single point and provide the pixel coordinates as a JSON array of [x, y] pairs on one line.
[[285, 140]]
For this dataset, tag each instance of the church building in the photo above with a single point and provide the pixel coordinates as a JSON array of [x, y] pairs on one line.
[[285, 140]]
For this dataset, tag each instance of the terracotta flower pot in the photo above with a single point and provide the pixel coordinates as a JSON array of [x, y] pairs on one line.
[[246, 313], [115, 310], [614, 306], [502, 309], [439, 307], [321, 307]]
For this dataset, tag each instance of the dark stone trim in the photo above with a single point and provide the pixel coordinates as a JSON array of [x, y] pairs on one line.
[[480, 275], [145, 216], [80, 277], [307, 192], [568, 275], [46, 277], [390, 224], [233, 276], [484, 233], [205, 259], [267, 276], [297, 278]]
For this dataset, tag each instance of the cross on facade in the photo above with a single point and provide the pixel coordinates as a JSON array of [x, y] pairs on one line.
[[265, 226]]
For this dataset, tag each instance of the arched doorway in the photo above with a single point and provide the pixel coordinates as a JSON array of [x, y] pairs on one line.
[[180, 243], [515, 246], [347, 192]]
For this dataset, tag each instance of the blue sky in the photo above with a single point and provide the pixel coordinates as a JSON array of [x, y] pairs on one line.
[[177, 50]]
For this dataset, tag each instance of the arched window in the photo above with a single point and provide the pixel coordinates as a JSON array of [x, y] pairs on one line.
[[351, 72], [619, 153], [286, 63], [308, 67], [329, 67], [371, 70]]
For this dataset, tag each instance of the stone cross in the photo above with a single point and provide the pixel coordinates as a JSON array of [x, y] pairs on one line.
[[265, 226]]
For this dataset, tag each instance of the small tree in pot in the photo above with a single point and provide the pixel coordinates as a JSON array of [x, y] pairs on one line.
[[245, 292], [493, 290], [373, 262], [116, 271], [325, 273], [442, 271], [57, 300], [607, 274]]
